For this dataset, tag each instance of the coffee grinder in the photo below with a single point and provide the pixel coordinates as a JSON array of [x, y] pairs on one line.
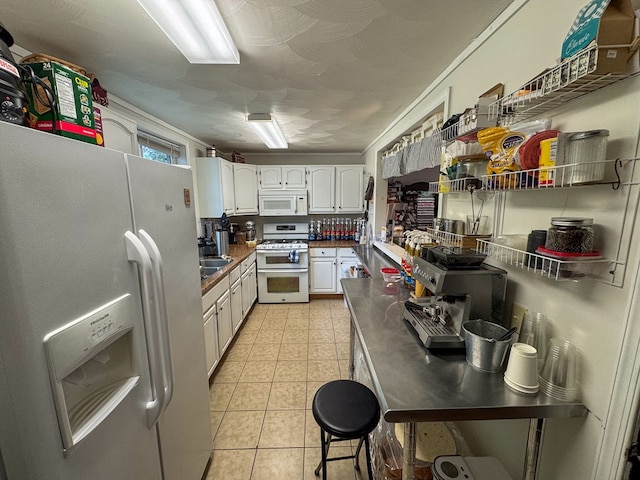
[[462, 288]]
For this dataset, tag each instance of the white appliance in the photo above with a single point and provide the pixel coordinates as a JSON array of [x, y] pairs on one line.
[[282, 203], [283, 263], [102, 359]]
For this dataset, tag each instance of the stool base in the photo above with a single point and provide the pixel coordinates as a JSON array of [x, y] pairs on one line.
[[325, 452]]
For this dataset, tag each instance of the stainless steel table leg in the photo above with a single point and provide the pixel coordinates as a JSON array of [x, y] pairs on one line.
[[532, 455], [409, 452]]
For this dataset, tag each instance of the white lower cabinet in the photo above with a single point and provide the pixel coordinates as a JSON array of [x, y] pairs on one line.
[[225, 328], [213, 305], [237, 314], [225, 306], [322, 270], [211, 339], [249, 289]]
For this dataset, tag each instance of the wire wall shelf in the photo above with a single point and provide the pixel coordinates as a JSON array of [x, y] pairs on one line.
[[544, 266], [545, 178], [454, 239], [556, 86]]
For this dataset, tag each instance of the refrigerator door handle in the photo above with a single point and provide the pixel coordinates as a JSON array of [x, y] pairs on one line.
[[165, 345], [138, 254]]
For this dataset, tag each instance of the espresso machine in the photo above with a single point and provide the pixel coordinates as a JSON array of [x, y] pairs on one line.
[[462, 288]]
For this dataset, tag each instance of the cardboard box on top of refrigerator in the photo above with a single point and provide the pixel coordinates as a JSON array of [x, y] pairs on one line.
[[74, 105], [610, 25]]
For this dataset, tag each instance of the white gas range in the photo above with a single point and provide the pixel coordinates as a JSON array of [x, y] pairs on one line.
[[283, 263]]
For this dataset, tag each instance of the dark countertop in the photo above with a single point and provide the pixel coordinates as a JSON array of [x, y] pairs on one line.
[[238, 253], [415, 385]]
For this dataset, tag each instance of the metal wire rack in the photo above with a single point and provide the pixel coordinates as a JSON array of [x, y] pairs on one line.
[[556, 86], [542, 265]]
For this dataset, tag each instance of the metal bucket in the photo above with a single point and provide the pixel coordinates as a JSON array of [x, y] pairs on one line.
[[484, 351]]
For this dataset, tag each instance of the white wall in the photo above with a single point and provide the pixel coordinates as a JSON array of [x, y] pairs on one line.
[[591, 314]]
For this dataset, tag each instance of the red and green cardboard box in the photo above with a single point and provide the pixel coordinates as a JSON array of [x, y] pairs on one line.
[[74, 106]]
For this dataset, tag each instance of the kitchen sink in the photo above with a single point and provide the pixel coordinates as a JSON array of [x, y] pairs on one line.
[[210, 270], [215, 262]]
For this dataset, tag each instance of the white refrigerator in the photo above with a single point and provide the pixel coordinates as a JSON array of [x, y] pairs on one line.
[[102, 358]]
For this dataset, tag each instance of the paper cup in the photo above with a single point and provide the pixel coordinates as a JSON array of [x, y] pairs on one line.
[[522, 369]]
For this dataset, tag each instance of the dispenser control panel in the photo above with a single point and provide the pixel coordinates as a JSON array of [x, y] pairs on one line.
[[72, 341]]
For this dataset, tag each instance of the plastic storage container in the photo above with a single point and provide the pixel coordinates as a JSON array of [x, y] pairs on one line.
[[585, 152]]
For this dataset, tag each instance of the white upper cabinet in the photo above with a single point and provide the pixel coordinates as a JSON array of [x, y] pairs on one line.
[[120, 133], [215, 187], [282, 177], [270, 177], [294, 178], [245, 182], [336, 189], [350, 189], [321, 183]]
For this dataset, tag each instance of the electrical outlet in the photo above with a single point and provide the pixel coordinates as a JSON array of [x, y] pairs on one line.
[[517, 314]]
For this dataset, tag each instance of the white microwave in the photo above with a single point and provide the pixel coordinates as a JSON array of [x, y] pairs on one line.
[[278, 203]]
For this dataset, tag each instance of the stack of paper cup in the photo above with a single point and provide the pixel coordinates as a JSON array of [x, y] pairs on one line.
[[522, 369]]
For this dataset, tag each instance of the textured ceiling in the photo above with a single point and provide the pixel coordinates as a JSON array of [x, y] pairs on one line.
[[334, 73]]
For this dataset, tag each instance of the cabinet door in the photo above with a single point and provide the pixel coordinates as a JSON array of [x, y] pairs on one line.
[[323, 275], [350, 189], [254, 284], [270, 177], [245, 181], [211, 341], [212, 188], [225, 328], [227, 187], [294, 178], [321, 186], [236, 305], [247, 292], [120, 133]]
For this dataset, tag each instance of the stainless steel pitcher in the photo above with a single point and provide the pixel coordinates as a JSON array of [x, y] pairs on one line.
[[222, 241]]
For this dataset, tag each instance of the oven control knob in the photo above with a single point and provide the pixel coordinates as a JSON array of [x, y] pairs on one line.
[[431, 279]]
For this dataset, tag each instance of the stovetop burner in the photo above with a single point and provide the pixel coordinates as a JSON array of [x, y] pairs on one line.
[[286, 244]]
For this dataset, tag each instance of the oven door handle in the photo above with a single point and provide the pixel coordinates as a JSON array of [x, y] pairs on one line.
[[283, 270], [282, 251]]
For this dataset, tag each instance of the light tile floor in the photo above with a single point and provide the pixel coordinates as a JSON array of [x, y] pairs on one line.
[[261, 394]]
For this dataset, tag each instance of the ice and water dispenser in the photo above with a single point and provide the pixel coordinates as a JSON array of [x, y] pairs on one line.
[[91, 368]]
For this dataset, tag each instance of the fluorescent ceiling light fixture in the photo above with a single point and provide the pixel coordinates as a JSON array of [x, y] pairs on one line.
[[195, 27], [267, 129]]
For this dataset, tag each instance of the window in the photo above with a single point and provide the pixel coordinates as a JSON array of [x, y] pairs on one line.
[[158, 149]]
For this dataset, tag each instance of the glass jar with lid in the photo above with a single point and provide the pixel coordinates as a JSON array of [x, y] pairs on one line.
[[570, 235]]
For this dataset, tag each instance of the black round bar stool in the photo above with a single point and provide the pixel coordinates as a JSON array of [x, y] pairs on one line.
[[345, 410]]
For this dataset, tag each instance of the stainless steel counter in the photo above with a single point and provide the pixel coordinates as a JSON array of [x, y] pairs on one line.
[[373, 260], [415, 385]]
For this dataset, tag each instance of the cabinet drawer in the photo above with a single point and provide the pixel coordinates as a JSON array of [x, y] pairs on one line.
[[214, 294], [346, 253], [322, 252], [247, 262], [234, 275]]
